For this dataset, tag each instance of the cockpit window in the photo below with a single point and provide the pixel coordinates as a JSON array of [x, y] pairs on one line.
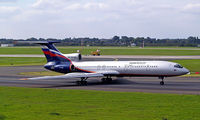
[[178, 66]]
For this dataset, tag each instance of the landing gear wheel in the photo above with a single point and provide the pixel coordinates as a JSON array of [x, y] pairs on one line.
[[106, 80], [83, 82], [109, 79], [103, 80], [162, 83]]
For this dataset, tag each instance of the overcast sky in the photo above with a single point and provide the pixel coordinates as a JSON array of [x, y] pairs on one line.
[[99, 18]]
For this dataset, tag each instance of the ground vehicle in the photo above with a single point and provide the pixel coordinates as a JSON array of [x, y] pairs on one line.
[[95, 53]]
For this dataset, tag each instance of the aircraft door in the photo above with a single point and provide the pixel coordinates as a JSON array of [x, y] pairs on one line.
[[148, 68], [103, 67], [99, 67], [125, 67], [128, 68]]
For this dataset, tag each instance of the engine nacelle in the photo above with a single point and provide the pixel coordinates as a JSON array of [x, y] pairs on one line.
[[62, 68], [74, 56]]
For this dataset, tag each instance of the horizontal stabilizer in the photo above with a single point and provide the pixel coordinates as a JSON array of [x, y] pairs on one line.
[[38, 42], [49, 44]]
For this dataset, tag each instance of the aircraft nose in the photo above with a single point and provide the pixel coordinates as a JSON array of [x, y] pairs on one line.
[[185, 71]]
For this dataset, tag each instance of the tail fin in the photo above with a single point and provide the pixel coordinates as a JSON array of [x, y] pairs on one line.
[[47, 54], [52, 55]]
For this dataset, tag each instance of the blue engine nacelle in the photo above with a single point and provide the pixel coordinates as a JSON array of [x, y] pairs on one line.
[[61, 68]]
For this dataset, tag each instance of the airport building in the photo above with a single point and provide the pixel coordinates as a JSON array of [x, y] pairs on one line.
[[7, 45]]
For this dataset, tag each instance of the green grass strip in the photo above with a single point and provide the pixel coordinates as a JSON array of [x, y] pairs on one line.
[[41, 73], [107, 50], [57, 104], [21, 61]]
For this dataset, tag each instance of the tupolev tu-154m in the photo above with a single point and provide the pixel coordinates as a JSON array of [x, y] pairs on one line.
[[72, 67]]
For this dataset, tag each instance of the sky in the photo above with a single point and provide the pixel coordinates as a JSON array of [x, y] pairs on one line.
[[22, 19]]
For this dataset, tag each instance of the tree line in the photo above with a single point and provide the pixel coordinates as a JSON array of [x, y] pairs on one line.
[[114, 41]]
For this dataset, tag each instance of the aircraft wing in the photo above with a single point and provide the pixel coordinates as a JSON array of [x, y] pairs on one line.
[[74, 75]]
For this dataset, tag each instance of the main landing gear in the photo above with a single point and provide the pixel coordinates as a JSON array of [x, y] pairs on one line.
[[108, 79], [83, 82], [162, 82]]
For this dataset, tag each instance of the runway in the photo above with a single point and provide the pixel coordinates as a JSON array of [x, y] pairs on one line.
[[9, 76]]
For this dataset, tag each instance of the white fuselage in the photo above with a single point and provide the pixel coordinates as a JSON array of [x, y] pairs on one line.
[[134, 68]]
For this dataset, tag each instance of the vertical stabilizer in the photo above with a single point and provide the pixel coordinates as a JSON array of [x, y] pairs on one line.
[[52, 55]]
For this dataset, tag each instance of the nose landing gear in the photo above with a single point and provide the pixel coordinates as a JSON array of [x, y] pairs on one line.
[[162, 82]]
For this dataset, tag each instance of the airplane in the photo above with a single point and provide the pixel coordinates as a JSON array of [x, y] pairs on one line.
[[72, 67]]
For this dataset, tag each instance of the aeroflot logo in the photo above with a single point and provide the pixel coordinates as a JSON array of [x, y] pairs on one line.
[[55, 55]]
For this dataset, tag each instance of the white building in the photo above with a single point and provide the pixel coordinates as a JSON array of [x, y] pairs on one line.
[[7, 45], [133, 44]]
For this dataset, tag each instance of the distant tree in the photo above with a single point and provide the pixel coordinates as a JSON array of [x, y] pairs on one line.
[[32, 39], [124, 38], [41, 39], [115, 38]]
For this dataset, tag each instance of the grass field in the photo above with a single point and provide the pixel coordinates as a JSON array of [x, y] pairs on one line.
[[108, 50], [20, 61], [41, 73], [57, 104]]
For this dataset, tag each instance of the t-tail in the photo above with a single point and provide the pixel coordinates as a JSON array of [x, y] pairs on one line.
[[56, 61], [50, 45], [55, 56]]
